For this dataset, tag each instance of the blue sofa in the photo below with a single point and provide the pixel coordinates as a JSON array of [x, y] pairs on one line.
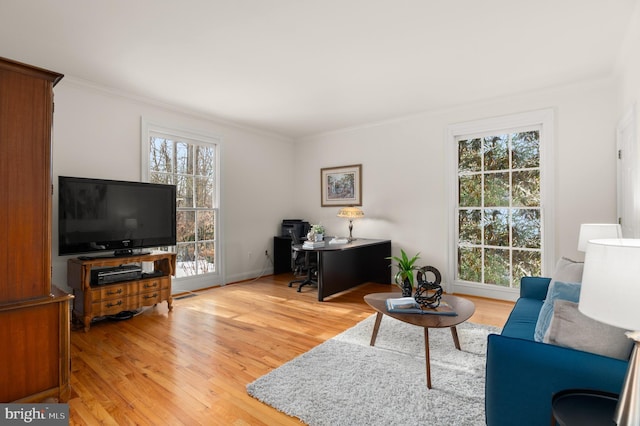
[[522, 375]]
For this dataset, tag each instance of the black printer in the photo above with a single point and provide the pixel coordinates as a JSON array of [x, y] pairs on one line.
[[298, 226]]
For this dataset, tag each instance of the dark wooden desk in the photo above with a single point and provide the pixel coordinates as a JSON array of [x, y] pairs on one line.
[[343, 266]]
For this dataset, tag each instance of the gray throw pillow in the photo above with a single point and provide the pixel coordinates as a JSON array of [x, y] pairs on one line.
[[568, 271], [571, 328]]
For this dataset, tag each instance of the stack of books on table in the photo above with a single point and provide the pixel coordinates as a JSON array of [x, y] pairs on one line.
[[312, 244], [408, 305]]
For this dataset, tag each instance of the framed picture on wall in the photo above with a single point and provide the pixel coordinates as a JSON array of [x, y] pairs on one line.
[[341, 186]]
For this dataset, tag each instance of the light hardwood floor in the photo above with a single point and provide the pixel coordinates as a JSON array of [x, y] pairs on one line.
[[190, 366]]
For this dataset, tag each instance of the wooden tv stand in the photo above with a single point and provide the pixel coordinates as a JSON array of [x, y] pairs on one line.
[[110, 299]]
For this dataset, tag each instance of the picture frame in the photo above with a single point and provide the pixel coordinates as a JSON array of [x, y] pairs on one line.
[[341, 186]]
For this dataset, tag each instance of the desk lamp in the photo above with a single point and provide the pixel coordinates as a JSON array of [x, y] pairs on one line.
[[597, 231], [610, 293], [350, 213]]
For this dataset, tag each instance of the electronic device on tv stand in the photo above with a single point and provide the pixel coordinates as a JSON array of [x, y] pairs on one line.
[[122, 217], [114, 274]]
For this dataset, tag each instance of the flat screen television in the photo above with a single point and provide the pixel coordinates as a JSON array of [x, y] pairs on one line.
[[98, 215]]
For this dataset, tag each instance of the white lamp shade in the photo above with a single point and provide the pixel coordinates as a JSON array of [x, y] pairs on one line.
[[597, 231], [610, 291]]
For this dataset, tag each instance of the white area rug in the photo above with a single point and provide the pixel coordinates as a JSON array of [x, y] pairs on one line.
[[344, 381]]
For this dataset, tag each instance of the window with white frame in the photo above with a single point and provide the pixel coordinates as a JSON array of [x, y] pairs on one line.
[[189, 162], [502, 191]]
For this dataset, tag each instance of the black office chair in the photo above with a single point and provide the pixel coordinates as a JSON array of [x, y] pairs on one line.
[[302, 263], [298, 262]]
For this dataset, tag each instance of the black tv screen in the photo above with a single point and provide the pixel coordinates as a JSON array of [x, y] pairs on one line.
[[97, 215]]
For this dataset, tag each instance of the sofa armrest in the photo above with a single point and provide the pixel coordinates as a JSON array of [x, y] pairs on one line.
[[523, 375], [534, 287]]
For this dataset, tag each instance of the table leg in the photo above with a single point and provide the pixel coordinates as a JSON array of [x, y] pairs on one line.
[[426, 356], [454, 334], [376, 327]]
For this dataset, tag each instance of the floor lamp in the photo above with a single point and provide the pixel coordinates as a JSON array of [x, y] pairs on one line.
[[351, 213], [610, 293]]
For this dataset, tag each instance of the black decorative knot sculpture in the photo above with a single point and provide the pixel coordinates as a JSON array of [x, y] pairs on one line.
[[428, 294]]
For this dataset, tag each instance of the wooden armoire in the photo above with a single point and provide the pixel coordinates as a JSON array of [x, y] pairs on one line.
[[34, 315]]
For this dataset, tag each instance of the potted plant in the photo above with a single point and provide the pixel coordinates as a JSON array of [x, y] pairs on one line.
[[316, 233], [404, 277]]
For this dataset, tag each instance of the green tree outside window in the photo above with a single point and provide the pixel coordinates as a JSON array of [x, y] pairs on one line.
[[499, 213]]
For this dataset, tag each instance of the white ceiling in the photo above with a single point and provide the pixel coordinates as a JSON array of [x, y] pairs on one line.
[[300, 67]]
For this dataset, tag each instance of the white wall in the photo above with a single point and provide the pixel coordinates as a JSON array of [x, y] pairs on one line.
[[629, 66], [97, 134], [628, 97], [405, 170]]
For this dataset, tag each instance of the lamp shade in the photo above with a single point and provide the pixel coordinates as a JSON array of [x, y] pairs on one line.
[[610, 288], [350, 212], [597, 231]]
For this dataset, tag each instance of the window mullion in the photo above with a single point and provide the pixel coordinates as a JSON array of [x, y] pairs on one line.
[[483, 211], [510, 224]]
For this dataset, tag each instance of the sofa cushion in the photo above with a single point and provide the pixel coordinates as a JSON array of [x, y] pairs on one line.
[[557, 290], [571, 328]]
